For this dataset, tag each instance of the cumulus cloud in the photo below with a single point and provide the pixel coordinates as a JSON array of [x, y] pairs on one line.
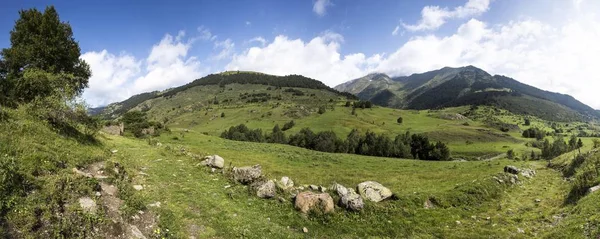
[[555, 58], [432, 17], [318, 58], [320, 7], [260, 40], [117, 77], [226, 49]]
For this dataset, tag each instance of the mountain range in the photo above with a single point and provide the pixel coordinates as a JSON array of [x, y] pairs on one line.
[[469, 85]]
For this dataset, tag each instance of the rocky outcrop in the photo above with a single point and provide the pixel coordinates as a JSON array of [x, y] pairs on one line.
[[87, 204], [246, 175], [594, 188], [527, 173], [339, 189], [373, 191], [214, 161], [309, 201], [114, 129]]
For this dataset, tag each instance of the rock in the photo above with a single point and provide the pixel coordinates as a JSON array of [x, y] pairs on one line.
[[520, 230], [373, 191], [246, 175], [428, 204], [285, 183], [309, 201], [84, 174], [266, 189], [213, 170], [537, 200], [138, 187], [87, 204], [214, 161], [313, 187], [305, 230], [352, 201], [528, 173], [511, 169], [156, 204], [339, 189], [322, 189], [114, 151], [594, 188], [136, 233], [227, 186], [514, 179], [98, 194], [458, 223]]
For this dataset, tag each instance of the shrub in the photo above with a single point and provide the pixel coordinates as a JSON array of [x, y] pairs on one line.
[[321, 110], [288, 125], [399, 120]]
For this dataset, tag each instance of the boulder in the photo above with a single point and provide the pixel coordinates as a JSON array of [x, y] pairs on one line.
[[594, 188], [528, 173], [352, 201], [339, 189], [511, 169], [285, 183], [246, 175], [87, 204], [265, 189], [373, 191], [313, 187], [317, 202], [214, 161]]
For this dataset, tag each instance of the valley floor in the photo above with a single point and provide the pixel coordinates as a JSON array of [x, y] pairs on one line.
[[195, 202]]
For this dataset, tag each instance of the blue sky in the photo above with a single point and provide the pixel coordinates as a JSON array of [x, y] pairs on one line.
[[137, 46]]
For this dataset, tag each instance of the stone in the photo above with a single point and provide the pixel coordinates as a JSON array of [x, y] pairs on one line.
[[514, 179], [246, 175], [84, 174], [266, 189], [352, 201], [114, 151], [313, 187], [305, 230], [339, 189], [594, 188], [317, 202], [156, 204], [136, 233], [87, 204], [322, 189], [528, 173], [373, 191], [537, 200], [520, 230], [428, 204], [511, 169], [285, 183], [214, 161], [138, 187]]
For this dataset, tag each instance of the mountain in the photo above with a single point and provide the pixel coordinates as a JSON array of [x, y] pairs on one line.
[[220, 87], [469, 85]]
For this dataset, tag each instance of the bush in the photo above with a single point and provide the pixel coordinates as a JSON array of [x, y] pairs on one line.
[[399, 120], [288, 125], [321, 110], [510, 154]]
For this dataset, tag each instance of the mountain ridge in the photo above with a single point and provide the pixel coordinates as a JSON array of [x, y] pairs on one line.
[[468, 85]]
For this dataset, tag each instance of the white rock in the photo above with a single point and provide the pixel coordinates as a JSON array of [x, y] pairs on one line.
[[87, 204], [373, 191], [138, 187]]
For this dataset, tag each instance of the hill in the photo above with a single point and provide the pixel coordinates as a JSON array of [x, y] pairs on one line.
[[450, 87]]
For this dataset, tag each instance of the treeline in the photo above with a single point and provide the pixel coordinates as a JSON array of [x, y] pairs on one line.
[[405, 145], [559, 146]]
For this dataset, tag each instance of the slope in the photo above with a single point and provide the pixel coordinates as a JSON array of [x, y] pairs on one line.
[[468, 85]]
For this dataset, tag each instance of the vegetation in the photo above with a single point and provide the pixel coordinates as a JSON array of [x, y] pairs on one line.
[[370, 143]]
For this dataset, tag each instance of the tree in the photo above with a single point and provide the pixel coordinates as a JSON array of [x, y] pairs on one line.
[[41, 43], [527, 122], [440, 152], [573, 142], [222, 114], [321, 110], [579, 145], [532, 155], [510, 154], [277, 136], [288, 125], [596, 143], [347, 104], [399, 120]]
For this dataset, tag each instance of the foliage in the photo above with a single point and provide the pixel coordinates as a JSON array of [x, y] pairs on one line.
[[510, 154], [362, 104], [370, 143], [137, 123], [321, 110], [288, 125], [534, 133], [399, 120], [43, 58]]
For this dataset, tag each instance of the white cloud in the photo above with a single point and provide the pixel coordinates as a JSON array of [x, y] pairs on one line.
[[227, 49], [115, 78], [556, 58], [205, 34], [432, 17], [260, 40], [396, 30], [320, 7], [319, 58]]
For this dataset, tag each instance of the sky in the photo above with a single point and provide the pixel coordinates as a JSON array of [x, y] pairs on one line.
[[140, 46]]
